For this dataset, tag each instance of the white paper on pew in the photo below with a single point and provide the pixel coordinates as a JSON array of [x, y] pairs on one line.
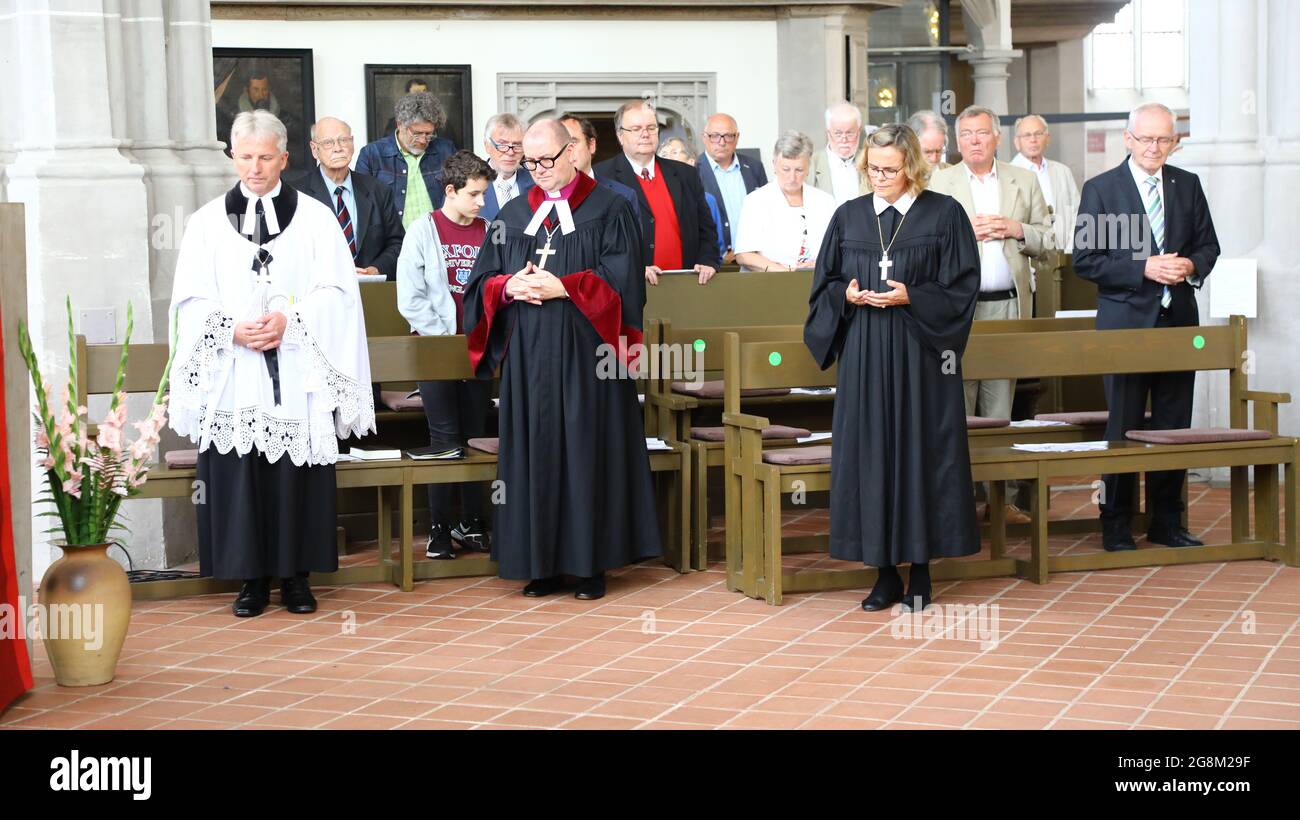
[[812, 391], [496, 402], [653, 444], [640, 397], [1076, 314], [1233, 288], [1063, 446], [1039, 423], [813, 437], [371, 277], [347, 457]]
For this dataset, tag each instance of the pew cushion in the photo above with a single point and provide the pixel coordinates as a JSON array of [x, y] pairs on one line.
[[793, 456], [397, 400], [487, 445], [1196, 435], [1081, 417], [713, 389], [775, 431], [181, 459], [980, 422]]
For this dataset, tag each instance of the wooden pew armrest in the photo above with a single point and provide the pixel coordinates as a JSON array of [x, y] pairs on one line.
[[746, 421], [672, 401], [1263, 395]]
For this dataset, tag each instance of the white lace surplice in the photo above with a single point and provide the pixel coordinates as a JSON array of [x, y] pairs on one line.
[[221, 393]]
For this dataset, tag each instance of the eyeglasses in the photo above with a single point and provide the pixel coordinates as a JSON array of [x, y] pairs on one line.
[[883, 173], [641, 129], [1163, 142], [721, 138], [544, 162], [840, 136], [419, 136], [329, 144], [935, 154], [1037, 135], [982, 134], [507, 147]]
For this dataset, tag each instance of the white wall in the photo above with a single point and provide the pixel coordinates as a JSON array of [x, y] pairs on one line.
[[745, 63]]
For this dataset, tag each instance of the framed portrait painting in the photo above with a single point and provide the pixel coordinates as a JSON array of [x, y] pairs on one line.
[[386, 84], [276, 79]]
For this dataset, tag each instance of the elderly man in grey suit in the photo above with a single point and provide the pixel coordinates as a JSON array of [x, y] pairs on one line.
[[835, 170], [1007, 210]]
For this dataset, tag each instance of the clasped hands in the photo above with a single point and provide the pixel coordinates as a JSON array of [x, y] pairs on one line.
[[263, 333], [534, 285], [1168, 268], [863, 298], [994, 226]]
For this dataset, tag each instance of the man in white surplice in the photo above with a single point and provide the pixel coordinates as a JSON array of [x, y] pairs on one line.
[[270, 370]]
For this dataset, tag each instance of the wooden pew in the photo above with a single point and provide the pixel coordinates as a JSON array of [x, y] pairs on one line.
[[392, 358], [754, 564]]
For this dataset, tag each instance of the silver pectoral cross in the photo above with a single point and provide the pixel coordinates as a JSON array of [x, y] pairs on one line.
[[264, 278], [545, 253], [885, 264]]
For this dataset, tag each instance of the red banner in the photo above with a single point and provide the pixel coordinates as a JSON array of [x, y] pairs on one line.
[[15, 669]]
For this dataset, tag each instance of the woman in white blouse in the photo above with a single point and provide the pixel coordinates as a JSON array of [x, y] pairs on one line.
[[782, 223]]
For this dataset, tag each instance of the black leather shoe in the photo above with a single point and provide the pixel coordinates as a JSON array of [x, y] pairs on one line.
[[886, 593], [591, 589], [472, 535], [253, 598], [541, 587], [916, 603], [439, 545], [295, 595], [1116, 536], [1173, 537]]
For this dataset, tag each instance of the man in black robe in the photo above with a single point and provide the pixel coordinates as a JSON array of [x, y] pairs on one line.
[[893, 297], [556, 285]]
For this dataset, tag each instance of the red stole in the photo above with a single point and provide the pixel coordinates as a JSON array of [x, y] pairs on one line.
[[668, 233], [15, 669]]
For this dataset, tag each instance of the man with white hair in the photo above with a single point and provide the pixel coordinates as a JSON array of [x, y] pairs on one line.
[[503, 140], [932, 132], [270, 369], [1060, 191], [835, 170], [1144, 278]]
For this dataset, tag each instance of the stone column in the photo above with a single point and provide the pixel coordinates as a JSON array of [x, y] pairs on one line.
[[192, 109], [811, 63]]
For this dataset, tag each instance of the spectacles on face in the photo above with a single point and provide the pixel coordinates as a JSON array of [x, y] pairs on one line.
[[543, 162], [329, 144], [641, 129], [722, 138], [1145, 142], [419, 136], [980, 135], [1033, 135], [507, 147], [844, 136], [883, 173]]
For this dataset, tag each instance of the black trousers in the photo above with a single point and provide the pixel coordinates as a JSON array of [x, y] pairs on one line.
[[456, 412], [1171, 409], [257, 519]]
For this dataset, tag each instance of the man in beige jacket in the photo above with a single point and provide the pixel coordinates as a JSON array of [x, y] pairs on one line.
[[1007, 210]]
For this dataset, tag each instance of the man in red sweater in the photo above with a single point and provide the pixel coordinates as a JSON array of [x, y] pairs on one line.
[[677, 229]]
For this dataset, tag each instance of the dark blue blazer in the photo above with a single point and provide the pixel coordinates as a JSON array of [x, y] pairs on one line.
[[1112, 240], [625, 192], [490, 205], [383, 161], [751, 171]]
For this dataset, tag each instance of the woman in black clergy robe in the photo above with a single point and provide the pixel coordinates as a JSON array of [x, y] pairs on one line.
[[900, 467]]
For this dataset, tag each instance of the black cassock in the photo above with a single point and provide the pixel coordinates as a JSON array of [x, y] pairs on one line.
[[900, 466], [578, 498]]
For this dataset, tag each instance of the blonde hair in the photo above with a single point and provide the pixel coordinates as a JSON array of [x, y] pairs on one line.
[[899, 136]]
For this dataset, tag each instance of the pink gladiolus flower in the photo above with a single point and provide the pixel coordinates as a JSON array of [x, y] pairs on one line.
[[48, 462], [42, 440], [72, 484], [110, 438]]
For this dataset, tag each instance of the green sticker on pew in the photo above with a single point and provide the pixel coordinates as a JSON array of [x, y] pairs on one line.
[[774, 359], [699, 345], [1198, 341]]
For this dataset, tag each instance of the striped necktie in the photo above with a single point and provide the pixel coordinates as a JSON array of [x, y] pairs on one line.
[[1156, 216], [345, 220]]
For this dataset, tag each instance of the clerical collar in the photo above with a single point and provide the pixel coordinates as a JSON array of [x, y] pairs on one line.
[[268, 207], [637, 167], [901, 204], [566, 191]]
